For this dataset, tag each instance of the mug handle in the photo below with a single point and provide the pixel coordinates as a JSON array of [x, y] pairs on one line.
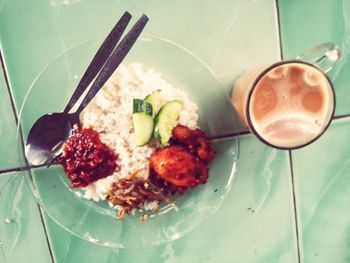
[[323, 56]]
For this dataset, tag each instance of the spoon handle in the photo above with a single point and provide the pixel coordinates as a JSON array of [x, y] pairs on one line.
[[114, 61], [99, 59]]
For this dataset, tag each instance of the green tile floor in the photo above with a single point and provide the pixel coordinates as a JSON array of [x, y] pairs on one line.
[[276, 210], [322, 171], [7, 129], [322, 194], [22, 235]]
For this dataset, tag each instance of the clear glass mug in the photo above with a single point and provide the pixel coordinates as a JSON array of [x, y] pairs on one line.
[[288, 104]]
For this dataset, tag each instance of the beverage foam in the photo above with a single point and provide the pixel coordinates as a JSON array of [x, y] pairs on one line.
[[291, 104]]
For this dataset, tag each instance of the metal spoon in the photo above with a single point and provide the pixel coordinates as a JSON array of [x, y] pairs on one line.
[[49, 132]]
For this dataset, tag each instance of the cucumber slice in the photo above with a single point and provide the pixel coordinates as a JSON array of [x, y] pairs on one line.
[[142, 106], [142, 121], [154, 99], [143, 127], [166, 119]]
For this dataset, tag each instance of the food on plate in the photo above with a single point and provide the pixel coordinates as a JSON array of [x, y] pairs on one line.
[[133, 192], [149, 137], [166, 119], [85, 158], [184, 162], [170, 170], [195, 140], [154, 99], [177, 166], [143, 122]]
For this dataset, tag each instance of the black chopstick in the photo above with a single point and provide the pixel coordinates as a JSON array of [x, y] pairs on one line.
[[114, 61], [99, 59]]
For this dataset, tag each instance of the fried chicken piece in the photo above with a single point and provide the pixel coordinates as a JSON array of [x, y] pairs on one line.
[[182, 134], [176, 165], [195, 140]]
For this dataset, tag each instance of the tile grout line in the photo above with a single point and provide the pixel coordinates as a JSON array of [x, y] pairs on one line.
[[279, 28], [230, 135], [8, 88], [12, 170], [341, 116], [289, 152], [294, 203], [42, 220], [27, 167]]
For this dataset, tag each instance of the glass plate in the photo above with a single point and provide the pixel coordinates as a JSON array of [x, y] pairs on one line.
[[96, 221]]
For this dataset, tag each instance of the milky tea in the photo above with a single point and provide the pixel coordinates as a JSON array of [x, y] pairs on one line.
[[287, 106]]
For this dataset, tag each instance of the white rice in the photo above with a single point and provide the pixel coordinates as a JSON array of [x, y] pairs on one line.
[[110, 114]]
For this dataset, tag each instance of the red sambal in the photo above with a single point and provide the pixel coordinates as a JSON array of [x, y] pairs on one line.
[[86, 159]]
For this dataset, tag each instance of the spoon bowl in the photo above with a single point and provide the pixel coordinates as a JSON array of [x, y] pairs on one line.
[[47, 136]]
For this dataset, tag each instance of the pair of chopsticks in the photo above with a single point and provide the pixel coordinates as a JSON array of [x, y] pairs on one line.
[[106, 60]]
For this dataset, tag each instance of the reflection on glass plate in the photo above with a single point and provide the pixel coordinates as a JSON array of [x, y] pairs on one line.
[[96, 222]]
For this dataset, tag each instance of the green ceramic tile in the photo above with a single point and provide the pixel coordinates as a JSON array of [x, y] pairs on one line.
[[22, 237], [321, 179], [58, 25], [254, 224], [308, 23], [9, 147], [322, 192]]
